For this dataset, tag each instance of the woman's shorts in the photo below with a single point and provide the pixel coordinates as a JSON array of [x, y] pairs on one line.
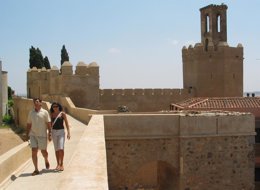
[[58, 138]]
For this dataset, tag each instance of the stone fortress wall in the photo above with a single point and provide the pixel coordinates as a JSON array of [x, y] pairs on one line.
[[83, 89], [182, 150], [213, 73], [174, 150], [142, 99], [210, 69]]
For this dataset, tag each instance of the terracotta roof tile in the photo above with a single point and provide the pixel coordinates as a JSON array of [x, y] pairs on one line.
[[220, 102]]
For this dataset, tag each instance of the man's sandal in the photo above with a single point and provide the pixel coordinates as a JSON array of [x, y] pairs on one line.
[[36, 172]]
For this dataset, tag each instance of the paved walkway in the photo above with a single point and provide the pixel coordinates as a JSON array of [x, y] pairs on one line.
[[48, 179]]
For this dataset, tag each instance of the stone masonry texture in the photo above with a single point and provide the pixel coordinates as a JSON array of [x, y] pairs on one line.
[[126, 158], [218, 162]]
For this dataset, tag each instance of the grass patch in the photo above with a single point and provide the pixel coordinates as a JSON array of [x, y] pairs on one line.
[[4, 126]]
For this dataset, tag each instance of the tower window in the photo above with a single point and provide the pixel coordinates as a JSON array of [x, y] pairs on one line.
[[218, 23], [207, 23]]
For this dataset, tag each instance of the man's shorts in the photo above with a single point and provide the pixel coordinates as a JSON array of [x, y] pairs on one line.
[[38, 142]]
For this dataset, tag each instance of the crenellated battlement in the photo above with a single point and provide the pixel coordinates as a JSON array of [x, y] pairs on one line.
[[82, 69], [142, 99], [144, 92], [222, 46], [214, 6], [220, 53]]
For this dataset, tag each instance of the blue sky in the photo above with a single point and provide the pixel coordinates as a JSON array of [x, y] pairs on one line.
[[136, 43]]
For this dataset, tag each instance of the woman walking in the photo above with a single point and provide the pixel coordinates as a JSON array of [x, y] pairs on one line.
[[58, 118]]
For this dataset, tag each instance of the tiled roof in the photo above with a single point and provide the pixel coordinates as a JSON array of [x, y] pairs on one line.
[[219, 102], [190, 101]]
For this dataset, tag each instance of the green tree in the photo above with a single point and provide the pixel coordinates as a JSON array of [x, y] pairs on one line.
[[39, 59], [36, 58], [10, 93], [46, 63], [32, 57], [64, 55]]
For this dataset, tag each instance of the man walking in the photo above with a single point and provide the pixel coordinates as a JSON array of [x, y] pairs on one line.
[[38, 122]]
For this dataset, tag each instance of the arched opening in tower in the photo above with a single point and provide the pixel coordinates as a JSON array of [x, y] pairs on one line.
[[218, 23], [207, 23]]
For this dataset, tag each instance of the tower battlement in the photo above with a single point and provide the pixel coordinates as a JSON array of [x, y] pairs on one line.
[[82, 69], [145, 92], [80, 85], [222, 47], [214, 6]]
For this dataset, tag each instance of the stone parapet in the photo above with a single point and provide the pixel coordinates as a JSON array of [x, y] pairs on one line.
[[182, 150], [132, 126], [13, 159], [183, 124]]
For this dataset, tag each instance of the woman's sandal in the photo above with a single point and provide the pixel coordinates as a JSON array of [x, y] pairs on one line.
[[61, 168], [35, 172], [57, 168]]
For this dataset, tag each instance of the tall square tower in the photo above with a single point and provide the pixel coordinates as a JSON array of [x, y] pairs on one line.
[[212, 68]]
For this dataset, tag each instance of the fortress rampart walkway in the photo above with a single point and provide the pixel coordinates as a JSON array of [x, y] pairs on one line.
[[84, 162]]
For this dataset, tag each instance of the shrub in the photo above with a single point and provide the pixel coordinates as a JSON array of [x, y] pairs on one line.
[[122, 109], [7, 119], [10, 103]]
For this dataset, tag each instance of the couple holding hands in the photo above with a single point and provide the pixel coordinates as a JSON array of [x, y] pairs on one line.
[[39, 121]]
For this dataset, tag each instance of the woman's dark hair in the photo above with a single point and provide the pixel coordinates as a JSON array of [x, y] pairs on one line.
[[55, 104]]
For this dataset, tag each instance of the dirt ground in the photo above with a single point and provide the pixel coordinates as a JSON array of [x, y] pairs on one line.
[[8, 140]]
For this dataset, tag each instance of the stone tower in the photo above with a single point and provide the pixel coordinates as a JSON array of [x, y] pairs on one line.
[[212, 68], [213, 24], [82, 86]]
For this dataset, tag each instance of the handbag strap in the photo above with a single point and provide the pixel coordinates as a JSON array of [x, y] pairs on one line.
[[56, 118]]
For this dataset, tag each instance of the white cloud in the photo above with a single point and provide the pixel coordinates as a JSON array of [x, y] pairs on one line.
[[173, 42], [114, 50]]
